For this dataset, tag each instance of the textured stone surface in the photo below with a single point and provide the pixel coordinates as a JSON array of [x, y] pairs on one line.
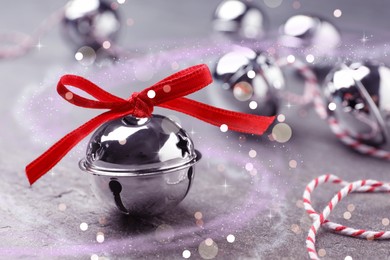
[[259, 211]]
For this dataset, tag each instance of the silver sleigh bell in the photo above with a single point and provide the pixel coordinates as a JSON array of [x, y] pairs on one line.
[[308, 31], [90, 23], [249, 82], [358, 97], [240, 20], [141, 166]]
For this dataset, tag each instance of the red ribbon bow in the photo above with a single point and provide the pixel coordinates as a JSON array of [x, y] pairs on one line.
[[168, 93]]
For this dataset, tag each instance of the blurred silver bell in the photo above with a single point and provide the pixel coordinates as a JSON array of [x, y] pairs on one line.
[[90, 23], [306, 31], [142, 166], [358, 96], [249, 82], [239, 20]]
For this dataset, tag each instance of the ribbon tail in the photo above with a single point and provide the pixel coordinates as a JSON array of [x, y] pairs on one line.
[[241, 122], [51, 157]]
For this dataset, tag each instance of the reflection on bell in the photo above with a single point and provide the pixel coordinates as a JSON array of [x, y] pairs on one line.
[[239, 20], [249, 82], [306, 31], [90, 23], [358, 96], [141, 166]]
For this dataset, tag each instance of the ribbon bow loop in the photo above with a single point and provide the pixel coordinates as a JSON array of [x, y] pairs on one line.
[[142, 105], [168, 93]]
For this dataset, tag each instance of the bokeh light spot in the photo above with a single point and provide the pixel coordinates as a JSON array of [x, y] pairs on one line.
[[292, 164], [224, 128], [252, 153], [186, 254], [337, 13], [282, 132], [230, 238], [83, 226]]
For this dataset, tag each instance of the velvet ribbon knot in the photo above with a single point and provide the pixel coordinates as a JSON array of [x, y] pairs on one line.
[[168, 93]]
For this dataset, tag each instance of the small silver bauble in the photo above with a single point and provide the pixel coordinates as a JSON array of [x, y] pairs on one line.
[[307, 31], [90, 23], [240, 20], [358, 96], [142, 166], [250, 82]]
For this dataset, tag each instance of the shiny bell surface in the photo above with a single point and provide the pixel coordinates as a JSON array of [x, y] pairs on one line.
[[240, 20], [142, 166], [249, 82], [358, 96], [307, 31], [90, 23]]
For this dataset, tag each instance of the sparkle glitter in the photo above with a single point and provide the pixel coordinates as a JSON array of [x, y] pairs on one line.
[[248, 167], [61, 207], [337, 13], [350, 207], [348, 257], [78, 56], [322, 252], [83, 226], [230, 238], [209, 242], [167, 88], [253, 105], [223, 128], [102, 220], [310, 58], [242, 138], [347, 215], [164, 233], [253, 172], [252, 153], [282, 132], [151, 94], [251, 74], [385, 222], [121, 1], [281, 118], [106, 45], [296, 229], [332, 106], [199, 223], [242, 91], [94, 257], [198, 215], [175, 66], [296, 5], [87, 57], [290, 58], [69, 95], [292, 164], [100, 237], [186, 254]]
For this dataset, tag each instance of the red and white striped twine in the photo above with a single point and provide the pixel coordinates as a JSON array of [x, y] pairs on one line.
[[312, 93], [320, 219]]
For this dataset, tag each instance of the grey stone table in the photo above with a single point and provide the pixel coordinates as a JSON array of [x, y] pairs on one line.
[[261, 210]]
